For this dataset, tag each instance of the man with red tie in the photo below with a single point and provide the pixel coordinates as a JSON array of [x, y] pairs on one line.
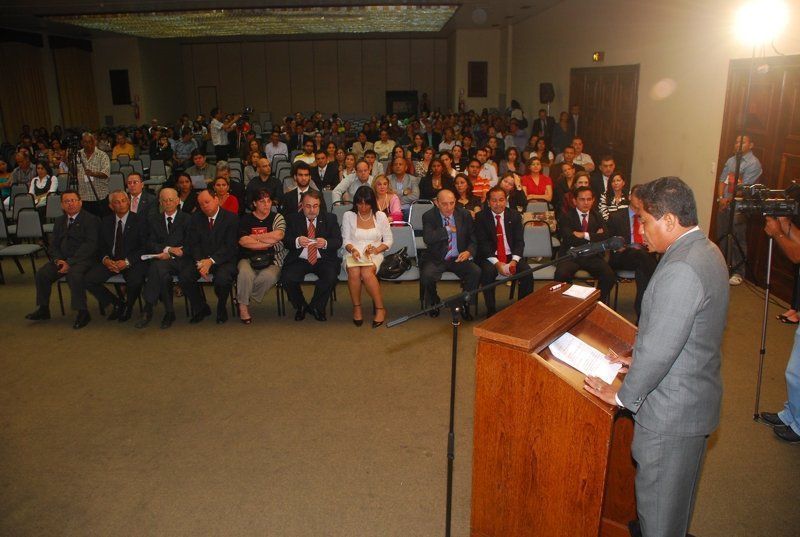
[[634, 256], [580, 226], [312, 240], [501, 245]]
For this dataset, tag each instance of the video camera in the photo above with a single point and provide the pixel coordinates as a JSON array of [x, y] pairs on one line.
[[759, 199], [244, 117]]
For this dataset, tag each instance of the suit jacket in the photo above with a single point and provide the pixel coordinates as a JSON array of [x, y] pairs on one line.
[[327, 228], [147, 203], [411, 183], [189, 204], [77, 243], [597, 184], [436, 238], [674, 385], [157, 236], [220, 243], [296, 141], [571, 222], [290, 205], [545, 126], [330, 179], [134, 237], [486, 233]]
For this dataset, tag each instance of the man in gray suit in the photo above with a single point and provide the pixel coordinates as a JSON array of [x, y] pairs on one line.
[[673, 386]]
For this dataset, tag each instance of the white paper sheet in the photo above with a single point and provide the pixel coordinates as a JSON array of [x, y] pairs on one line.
[[579, 291], [583, 357]]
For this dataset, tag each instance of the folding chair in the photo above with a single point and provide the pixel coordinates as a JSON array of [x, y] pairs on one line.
[[52, 210], [116, 181], [339, 208], [124, 160], [29, 227], [415, 213], [158, 173]]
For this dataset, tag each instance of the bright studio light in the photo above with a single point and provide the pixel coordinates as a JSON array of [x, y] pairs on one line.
[[761, 21]]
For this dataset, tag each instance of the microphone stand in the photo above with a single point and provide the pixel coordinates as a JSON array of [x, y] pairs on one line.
[[456, 304]]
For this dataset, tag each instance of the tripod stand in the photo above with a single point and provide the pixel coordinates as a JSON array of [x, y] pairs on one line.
[[763, 350]]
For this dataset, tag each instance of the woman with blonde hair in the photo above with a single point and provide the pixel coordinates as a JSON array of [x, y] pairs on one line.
[[388, 202]]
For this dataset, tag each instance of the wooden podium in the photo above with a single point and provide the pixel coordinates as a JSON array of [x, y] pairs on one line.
[[549, 458]]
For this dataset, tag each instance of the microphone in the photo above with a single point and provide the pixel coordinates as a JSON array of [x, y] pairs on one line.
[[592, 248]]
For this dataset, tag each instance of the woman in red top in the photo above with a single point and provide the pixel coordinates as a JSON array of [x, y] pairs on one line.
[[537, 186], [226, 201]]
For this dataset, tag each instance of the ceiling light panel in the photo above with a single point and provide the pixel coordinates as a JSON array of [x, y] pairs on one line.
[[269, 21]]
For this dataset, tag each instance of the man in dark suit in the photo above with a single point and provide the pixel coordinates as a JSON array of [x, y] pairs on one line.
[[325, 174], [625, 223], [577, 227], [122, 238], [142, 201], [501, 245], [674, 385], [600, 177], [166, 236], [298, 138], [450, 240], [543, 125], [211, 249], [72, 249], [312, 240], [292, 200]]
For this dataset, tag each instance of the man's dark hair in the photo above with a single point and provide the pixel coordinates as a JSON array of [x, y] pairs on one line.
[[583, 189], [320, 152], [474, 160], [606, 158], [311, 193], [300, 165], [669, 195], [69, 191], [196, 152], [496, 188], [370, 152]]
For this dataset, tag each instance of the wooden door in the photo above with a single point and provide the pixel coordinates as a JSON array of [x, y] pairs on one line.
[[607, 97], [773, 124]]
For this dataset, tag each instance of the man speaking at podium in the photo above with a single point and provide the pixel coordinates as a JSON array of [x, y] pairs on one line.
[[673, 386]]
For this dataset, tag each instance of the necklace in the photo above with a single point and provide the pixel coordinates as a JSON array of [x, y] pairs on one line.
[[367, 219]]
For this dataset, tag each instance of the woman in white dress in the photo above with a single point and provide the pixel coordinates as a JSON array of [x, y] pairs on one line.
[[366, 235]]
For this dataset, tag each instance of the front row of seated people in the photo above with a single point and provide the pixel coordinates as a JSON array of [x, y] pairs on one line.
[[263, 247]]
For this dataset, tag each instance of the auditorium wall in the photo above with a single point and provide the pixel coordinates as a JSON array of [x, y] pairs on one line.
[[349, 75], [683, 48]]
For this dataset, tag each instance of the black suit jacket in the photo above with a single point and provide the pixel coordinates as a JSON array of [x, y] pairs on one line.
[[330, 179], [148, 203], [327, 228], [571, 222], [435, 235], [290, 205], [547, 128], [486, 235], [220, 243], [134, 238], [77, 243], [296, 141], [190, 203], [157, 236]]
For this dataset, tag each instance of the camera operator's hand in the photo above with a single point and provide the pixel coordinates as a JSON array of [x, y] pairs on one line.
[[775, 227]]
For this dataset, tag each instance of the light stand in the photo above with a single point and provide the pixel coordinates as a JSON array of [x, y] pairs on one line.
[[763, 350]]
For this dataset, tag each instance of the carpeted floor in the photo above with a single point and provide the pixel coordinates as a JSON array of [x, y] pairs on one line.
[[303, 429]]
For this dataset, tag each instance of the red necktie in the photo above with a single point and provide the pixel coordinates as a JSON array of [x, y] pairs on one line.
[[637, 230], [501, 242], [312, 246], [210, 224], [584, 223]]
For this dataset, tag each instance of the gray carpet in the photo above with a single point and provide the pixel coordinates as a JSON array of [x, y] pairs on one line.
[[299, 429]]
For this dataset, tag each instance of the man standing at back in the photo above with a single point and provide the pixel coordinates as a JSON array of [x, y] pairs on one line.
[[674, 384]]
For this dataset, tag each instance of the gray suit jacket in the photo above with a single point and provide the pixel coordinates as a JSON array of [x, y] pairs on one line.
[[674, 385]]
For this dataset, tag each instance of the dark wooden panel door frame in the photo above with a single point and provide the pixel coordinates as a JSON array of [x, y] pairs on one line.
[[608, 97], [773, 123]]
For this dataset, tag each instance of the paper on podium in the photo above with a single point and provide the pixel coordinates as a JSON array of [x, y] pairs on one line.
[[585, 358], [579, 291]]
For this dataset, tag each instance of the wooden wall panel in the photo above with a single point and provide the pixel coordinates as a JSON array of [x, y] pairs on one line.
[[254, 77], [373, 61], [325, 76], [441, 68], [350, 77], [206, 71], [422, 61], [190, 91], [398, 66], [231, 90], [278, 81], [301, 62]]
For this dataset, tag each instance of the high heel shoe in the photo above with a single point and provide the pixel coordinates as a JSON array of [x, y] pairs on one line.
[[376, 324], [357, 322]]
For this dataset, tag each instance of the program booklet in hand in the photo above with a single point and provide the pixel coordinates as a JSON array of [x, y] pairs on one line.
[[350, 261]]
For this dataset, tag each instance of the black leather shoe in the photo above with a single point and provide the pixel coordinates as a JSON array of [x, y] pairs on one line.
[[126, 314], [786, 434], [40, 314], [465, 314], [771, 418], [81, 320], [222, 316], [204, 312], [318, 314], [117, 311], [147, 316], [299, 314], [168, 319], [434, 313]]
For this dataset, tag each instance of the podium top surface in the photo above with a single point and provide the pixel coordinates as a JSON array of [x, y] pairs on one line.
[[534, 322]]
